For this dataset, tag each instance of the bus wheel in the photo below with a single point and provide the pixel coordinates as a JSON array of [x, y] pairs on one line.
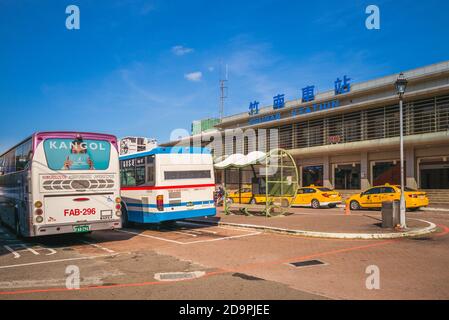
[[125, 221], [17, 226], [315, 204], [354, 205]]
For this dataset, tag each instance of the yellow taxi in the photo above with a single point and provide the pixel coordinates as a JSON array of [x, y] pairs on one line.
[[245, 196], [317, 197], [373, 197]]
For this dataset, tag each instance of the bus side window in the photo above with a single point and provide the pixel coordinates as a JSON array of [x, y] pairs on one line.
[[22, 155], [151, 171], [2, 170], [140, 175], [128, 177]]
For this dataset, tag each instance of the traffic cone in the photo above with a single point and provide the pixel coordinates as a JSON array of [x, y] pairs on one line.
[[347, 209]]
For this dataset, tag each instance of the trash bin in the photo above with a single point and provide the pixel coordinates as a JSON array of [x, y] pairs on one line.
[[390, 214]]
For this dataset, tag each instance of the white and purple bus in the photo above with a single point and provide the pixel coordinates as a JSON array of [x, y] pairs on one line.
[[167, 184], [61, 182]]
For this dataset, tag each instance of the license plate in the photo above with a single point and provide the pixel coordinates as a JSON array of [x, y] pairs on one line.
[[81, 229]]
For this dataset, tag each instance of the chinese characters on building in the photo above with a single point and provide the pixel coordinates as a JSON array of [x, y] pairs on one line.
[[341, 86]]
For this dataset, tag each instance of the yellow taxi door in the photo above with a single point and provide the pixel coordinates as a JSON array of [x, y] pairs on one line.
[[308, 195], [299, 200], [388, 194], [246, 195], [370, 197]]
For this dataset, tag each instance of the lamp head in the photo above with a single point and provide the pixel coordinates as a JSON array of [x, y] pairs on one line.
[[401, 84]]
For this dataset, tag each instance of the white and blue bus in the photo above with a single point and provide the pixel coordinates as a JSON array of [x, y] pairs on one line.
[[61, 182], [167, 184]]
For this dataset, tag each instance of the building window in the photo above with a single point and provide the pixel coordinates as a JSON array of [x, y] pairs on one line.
[[312, 175], [285, 137], [347, 177], [352, 129], [387, 172], [434, 174]]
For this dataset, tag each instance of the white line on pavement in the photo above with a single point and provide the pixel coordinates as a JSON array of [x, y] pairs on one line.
[[148, 236], [185, 233], [52, 251], [225, 238], [16, 255], [191, 242], [99, 247], [56, 261], [29, 249]]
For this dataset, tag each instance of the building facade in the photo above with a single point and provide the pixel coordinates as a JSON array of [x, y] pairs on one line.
[[130, 145], [200, 126], [349, 139]]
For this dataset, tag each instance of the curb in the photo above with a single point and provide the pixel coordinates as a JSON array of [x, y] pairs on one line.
[[331, 235]]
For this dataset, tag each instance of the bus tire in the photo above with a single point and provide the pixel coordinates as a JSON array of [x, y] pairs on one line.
[[124, 217], [354, 205], [17, 229], [315, 204]]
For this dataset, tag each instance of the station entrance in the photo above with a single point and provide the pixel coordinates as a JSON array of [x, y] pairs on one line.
[[434, 175]]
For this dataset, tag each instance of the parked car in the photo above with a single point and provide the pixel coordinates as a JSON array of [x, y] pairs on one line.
[[373, 197], [244, 196], [317, 197]]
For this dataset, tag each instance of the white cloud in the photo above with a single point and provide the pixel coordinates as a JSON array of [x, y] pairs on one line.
[[181, 50], [194, 76]]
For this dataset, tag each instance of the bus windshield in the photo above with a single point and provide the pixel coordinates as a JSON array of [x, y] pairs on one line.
[[77, 154]]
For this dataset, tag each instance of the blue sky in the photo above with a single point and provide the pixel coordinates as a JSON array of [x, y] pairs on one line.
[[146, 67]]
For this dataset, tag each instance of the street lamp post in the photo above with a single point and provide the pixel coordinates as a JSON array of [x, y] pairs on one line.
[[401, 86]]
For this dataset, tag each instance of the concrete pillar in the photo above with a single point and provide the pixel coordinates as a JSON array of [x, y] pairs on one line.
[[364, 171], [410, 169], [327, 173]]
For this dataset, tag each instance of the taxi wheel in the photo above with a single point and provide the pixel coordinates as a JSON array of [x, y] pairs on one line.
[[354, 205], [315, 204], [253, 201], [230, 200]]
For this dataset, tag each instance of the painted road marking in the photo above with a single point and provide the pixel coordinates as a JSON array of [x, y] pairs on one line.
[[52, 251], [16, 255], [148, 236], [184, 233], [29, 249], [99, 247], [190, 242], [84, 281], [57, 261], [13, 248], [226, 238]]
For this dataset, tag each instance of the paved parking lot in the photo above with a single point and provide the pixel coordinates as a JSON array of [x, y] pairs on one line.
[[192, 261]]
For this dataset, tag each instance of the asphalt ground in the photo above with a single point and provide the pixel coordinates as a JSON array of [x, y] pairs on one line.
[[192, 261]]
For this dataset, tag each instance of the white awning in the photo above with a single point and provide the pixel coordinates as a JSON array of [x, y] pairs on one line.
[[239, 160]]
